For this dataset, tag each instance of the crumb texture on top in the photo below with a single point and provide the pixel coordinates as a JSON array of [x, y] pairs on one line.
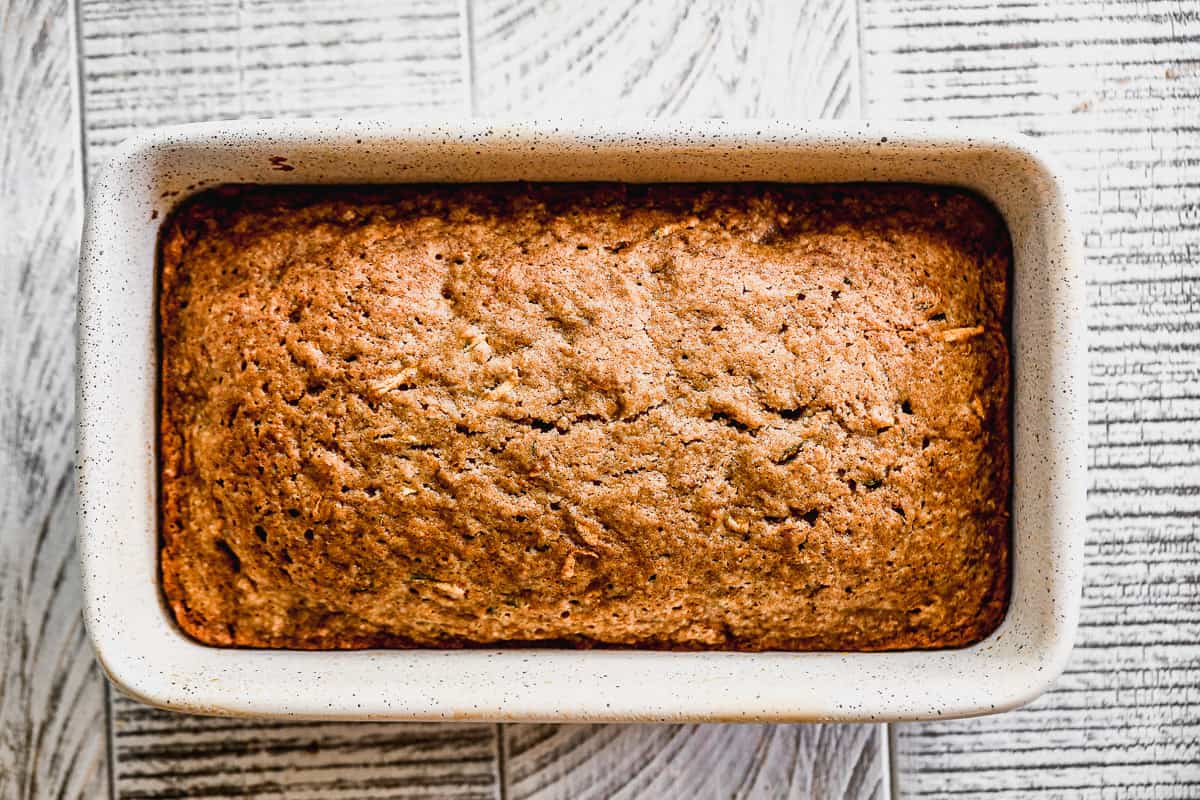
[[741, 416]]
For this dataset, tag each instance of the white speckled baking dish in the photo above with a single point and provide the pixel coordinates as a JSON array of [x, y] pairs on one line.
[[148, 657]]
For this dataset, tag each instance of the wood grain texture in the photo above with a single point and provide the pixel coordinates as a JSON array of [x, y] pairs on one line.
[[149, 62], [682, 59], [52, 697], [1114, 89], [695, 761], [159, 754], [635, 58]]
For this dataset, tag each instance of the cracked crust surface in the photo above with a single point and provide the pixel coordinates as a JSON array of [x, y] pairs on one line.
[[738, 416]]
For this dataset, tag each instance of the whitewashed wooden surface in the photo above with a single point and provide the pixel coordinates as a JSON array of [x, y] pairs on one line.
[[52, 698], [1113, 87]]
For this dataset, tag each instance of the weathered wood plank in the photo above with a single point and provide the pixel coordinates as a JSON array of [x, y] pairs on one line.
[[634, 58], [52, 696], [150, 63], [695, 761], [631, 58], [1114, 89], [147, 62], [160, 754]]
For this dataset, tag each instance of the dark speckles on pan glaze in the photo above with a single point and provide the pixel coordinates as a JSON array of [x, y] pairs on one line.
[[150, 659]]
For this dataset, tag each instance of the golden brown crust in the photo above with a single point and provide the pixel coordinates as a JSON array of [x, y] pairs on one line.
[[731, 416]]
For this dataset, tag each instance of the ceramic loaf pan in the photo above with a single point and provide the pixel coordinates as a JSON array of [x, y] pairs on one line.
[[146, 656]]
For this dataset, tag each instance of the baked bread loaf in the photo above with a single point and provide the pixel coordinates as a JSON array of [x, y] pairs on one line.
[[743, 416]]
